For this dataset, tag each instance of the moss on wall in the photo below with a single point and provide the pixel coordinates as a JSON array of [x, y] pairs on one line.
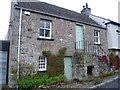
[[55, 62], [26, 69]]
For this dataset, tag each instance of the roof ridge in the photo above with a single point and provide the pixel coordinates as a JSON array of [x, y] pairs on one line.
[[56, 10]]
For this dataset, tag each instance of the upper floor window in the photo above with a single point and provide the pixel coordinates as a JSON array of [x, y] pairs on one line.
[[45, 29], [96, 37]]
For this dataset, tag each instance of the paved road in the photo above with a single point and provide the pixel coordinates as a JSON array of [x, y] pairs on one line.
[[112, 84]]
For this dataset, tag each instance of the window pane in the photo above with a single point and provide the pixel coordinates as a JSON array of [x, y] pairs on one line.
[[94, 39], [47, 33], [42, 24], [97, 39], [41, 32], [47, 24], [96, 33]]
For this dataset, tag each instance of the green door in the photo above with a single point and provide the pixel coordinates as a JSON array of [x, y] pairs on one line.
[[68, 67], [79, 37]]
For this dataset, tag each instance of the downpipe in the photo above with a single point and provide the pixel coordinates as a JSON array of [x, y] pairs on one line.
[[19, 39]]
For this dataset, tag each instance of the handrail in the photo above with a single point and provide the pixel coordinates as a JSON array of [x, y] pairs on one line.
[[90, 47]]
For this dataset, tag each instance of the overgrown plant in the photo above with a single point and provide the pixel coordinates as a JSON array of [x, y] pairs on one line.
[[26, 69], [117, 63], [112, 58], [55, 62], [39, 81]]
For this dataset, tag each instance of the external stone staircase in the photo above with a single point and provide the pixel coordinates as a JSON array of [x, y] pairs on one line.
[[90, 56]]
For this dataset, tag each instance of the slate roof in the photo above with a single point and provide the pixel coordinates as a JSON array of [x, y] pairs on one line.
[[58, 11]]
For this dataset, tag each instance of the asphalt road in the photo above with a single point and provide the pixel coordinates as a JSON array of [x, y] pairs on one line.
[[113, 84]]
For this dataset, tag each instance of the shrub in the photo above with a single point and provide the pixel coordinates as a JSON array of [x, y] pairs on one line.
[[117, 63], [112, 58], [39, 80], [26, 69], [55, 62], [105, 59]]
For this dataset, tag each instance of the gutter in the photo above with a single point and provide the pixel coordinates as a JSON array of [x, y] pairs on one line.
[[112, 22], [53, 15], [19, 39]]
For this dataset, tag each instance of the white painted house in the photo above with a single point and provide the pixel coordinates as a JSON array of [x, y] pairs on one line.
[[113, 32]]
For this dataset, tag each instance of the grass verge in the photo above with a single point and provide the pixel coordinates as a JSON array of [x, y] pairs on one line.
[[95, 78]]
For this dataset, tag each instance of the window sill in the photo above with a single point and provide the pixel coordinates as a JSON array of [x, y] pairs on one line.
[[41, 71], [97, 44], [45, 39]]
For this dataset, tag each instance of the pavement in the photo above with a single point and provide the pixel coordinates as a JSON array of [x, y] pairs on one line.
[[108, 80]]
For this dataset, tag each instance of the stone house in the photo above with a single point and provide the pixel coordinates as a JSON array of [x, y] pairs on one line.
[[37, 26]]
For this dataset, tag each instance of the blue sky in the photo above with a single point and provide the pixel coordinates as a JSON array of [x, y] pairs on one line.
[[103, 8]]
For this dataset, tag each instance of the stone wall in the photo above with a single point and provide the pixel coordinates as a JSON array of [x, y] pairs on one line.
[[84, 61]]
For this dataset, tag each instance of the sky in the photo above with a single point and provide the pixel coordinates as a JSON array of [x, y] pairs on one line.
[[104, 8]]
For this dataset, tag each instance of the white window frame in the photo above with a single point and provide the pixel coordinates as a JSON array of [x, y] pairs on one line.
[[42, 64], [50, 29], [96, 36]]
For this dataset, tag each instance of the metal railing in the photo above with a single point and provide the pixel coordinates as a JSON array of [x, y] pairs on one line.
[[90, 47]]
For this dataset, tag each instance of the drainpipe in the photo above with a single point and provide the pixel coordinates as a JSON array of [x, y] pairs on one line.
[[19, 39]]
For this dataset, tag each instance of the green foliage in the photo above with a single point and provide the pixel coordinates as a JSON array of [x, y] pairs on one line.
[[39, 81], [26, 69], [61, 51], [14, 70], [46, 53], [112, 58], [55, 62]]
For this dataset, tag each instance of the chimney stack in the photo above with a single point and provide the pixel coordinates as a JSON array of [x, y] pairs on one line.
[[86, 10]]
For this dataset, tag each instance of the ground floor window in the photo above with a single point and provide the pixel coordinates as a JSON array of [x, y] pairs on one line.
[[42, 63]]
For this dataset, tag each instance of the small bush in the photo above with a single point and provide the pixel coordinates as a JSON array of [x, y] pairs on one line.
[[117, 63], [112, 58], [38, 80], [55, 62]]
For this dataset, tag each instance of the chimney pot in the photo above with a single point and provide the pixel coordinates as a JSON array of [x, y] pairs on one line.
[[83, 7], [86, 10], [86, 5]]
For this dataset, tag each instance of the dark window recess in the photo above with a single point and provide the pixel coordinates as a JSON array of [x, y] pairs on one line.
[[45, 39], [90, 70], [117, 31]]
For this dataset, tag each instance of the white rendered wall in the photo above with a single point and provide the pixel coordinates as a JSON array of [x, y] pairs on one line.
[[112, 36]]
